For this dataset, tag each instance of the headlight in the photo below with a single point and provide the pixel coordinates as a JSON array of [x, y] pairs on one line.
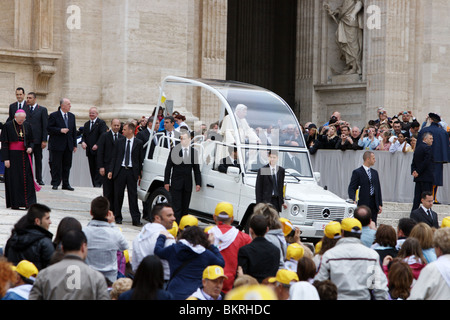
[[350, 212], [295, 210]]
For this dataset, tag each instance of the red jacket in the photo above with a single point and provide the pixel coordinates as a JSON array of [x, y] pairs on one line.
[[230, 255]]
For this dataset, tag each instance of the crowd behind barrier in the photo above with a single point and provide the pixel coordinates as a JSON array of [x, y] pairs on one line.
[[397, 184]]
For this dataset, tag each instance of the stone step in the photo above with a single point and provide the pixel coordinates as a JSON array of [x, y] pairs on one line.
[[392, 212]]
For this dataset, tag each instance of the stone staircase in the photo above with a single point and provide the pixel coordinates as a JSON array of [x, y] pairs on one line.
[[392, 212]]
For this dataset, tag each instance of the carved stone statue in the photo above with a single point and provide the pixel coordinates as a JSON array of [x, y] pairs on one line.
[[349, 18]]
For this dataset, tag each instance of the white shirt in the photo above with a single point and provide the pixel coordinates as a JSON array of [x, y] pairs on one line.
[[131, 148], [33, 107], [426, 210], [91, 123], [366, 168]]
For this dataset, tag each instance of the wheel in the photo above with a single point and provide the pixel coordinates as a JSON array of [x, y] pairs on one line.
[[160, 195]]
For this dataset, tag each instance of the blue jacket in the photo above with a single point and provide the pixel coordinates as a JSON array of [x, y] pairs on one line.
[[189, 278]]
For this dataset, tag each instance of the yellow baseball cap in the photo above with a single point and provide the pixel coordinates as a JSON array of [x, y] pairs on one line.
[[188, 220], [126, 254], [251, 292], [224, 210], [284, 276], [318, 247], [26, 269], [206, 230], [351, 225], [294, 251], [213, 272], [333, 230], [174, 230], [445, 222], [287, 226]]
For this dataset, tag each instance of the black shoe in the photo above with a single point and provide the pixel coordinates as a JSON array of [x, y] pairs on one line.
[[55, 187], [118, 221], [41, 183], [68, 188], [137, 224]]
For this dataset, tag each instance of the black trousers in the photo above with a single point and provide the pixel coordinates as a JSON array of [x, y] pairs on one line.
[[125, 178], [37, 160], [93, 169], [180, 202], [275, 201], [61, 163], [421, 186], [108, 190], [373, 208]]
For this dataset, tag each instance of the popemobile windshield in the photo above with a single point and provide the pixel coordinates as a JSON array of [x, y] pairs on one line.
[[251, 120]]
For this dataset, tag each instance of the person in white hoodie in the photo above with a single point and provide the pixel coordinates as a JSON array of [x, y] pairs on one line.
[[162, 217]]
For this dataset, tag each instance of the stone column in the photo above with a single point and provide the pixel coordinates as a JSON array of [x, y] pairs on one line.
[[306, 33], [213, 56]]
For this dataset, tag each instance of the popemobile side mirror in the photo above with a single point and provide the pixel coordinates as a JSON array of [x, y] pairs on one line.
[[317, 176], [234, 172]]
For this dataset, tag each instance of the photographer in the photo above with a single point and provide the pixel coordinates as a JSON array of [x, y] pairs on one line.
[[346, 141], [328, 137], [368, 141]]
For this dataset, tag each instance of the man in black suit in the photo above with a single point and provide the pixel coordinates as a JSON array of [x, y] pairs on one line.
[[144, 136], [37, 117], [62, 143], [260, 258], [182, 161], [170, 133], [230, 161], [126, 169], [105, 145], [424, 212], [422, 168], [367, 180], [270, 183], [19, 104], [92, 131]]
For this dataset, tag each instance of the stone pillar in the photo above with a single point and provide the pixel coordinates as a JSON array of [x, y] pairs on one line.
[[306, 54], [213, 56]]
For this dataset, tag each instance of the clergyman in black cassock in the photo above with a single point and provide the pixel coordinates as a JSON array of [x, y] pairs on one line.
[[17, 145]]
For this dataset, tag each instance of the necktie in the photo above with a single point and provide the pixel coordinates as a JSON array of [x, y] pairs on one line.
[[115, 137], [20, 105], [171, 141], [185, 155], [31, 110], [66, 120], [127, 154], [429, 214], [372, 191], [92, 124], [274, 177]]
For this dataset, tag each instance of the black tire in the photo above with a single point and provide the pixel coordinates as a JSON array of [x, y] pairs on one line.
[[160, 195]]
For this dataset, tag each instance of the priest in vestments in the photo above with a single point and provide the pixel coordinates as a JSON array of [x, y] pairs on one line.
[[17, 146]]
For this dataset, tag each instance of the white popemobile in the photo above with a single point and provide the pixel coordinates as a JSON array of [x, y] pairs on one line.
[[252, 121]]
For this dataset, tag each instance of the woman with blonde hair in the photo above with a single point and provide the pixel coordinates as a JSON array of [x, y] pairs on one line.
[[424, 233]]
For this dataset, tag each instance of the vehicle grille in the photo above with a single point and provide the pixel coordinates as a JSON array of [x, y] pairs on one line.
[[320, 213]]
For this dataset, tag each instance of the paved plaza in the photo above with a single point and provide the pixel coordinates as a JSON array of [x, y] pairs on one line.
[[63, 203]]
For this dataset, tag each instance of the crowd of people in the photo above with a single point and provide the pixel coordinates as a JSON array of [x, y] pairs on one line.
[[398, 133], [354, 260], [173, 258]]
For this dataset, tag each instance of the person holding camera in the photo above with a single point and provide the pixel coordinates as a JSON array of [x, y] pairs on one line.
[[368, 141]]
